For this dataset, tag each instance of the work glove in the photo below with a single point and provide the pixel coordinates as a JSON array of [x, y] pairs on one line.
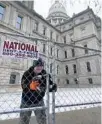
[[53, 87], [34, 85]]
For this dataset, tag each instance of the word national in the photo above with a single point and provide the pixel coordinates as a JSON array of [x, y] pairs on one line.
[[19, 46], [18, 50]]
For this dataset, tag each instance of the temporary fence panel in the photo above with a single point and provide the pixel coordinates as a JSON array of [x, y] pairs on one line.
[[74, 68]]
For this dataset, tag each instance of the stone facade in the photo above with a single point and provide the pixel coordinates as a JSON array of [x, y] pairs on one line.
[[83, 29]]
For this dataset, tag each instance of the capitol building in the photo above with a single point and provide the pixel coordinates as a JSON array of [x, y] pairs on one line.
[[69, 46]]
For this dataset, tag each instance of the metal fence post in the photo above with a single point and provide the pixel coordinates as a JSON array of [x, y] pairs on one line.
[[47, 92], [53, 94], [47, 100], [53, 107]]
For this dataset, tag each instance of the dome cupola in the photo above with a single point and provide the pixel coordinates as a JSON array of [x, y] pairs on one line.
[[57, 13]]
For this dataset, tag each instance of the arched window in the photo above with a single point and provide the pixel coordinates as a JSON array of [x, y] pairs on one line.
[[51, 51], [67, 81], [88, 67], [14, 78], [90, 80], [67, 69], [57, 69], [2, 10], [57, 52], [76, 80], [73, 53], [74, 69], [65, 54], [51, 68]]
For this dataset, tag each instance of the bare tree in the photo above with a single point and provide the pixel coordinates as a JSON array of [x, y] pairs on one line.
[[96, 5]]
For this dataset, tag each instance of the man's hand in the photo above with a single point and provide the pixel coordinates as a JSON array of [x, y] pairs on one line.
[[34, 85], [53, 88]]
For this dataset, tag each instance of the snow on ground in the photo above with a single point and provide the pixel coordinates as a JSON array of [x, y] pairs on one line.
[[64, 96]]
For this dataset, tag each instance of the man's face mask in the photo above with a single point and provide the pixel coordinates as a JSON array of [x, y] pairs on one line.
[[38, 69]]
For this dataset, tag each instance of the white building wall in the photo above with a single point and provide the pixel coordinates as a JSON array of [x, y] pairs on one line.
[[87, 30], [74, 33]]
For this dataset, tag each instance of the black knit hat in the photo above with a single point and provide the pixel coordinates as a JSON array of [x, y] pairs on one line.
[[39, 62]]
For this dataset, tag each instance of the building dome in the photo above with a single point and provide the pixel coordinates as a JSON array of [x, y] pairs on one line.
[[57, 13], [57, 8]]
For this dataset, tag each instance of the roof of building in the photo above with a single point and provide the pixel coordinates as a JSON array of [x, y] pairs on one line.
[[36, 14], [39, 16], [76, 15]]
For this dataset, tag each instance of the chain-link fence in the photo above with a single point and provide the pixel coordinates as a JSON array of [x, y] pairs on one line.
[[23, 88]]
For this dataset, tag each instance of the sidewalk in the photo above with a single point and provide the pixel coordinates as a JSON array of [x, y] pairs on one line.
[[85, 116]]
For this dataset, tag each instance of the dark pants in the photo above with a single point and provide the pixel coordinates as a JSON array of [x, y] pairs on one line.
[[40, 114]]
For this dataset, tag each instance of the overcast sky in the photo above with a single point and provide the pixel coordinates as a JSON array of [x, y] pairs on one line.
[[72, 6]]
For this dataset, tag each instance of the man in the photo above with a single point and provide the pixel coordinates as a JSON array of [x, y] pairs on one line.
[[33, 83]]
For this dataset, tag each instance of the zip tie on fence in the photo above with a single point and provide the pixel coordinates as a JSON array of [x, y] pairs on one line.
[[79, 104], [23, 110]]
